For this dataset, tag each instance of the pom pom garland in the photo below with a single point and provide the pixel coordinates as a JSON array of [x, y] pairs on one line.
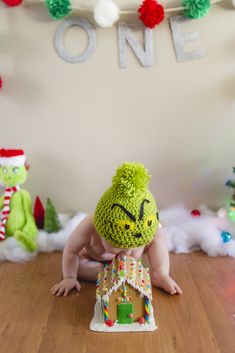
[[106, 13], [196, 8], [12, 3], [58, 8], [151, 13]]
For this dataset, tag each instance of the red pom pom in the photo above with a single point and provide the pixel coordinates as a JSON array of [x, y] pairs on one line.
[[12, 3], [151, 13], [195, 213], [141, 320], [110, 323], [0, 83]]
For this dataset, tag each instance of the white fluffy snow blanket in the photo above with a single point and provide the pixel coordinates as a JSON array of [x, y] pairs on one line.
[[11, 250], [183, 234]]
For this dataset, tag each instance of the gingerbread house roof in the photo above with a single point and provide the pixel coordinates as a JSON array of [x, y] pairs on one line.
[[123, 269]]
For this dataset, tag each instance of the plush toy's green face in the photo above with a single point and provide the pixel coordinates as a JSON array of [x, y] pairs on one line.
[[11, 176]]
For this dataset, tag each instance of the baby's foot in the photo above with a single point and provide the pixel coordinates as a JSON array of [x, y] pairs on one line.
[[167, 283]]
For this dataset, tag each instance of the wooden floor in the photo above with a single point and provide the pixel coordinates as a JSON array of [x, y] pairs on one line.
[[202, 320]]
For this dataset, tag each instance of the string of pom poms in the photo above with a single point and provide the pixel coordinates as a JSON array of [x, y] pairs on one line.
[[106, 12], [151, 13]]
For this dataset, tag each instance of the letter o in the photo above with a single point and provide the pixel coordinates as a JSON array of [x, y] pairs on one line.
[[59, 40]]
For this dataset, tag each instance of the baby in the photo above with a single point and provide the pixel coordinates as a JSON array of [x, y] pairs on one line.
[[125, 222]]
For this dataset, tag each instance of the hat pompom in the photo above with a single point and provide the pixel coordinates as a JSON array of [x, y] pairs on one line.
[[130, 179]]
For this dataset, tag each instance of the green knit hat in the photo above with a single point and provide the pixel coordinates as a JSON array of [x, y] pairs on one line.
[[126, 214]]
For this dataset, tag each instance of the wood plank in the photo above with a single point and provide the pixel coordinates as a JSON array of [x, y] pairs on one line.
[[182, 320], [199, 321], [25, 303], [215, 280]]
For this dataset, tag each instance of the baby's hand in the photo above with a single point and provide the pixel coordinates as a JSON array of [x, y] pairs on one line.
[[167, 283], [65, 286]]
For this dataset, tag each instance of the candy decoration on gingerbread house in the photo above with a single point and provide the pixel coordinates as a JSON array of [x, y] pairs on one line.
[[123, 297]]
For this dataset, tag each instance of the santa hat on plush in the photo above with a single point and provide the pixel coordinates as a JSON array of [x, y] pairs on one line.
[[14, 158]]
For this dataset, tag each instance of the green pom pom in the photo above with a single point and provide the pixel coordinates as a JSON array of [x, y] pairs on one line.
[[58, 8], [196, 8], [130, 179]]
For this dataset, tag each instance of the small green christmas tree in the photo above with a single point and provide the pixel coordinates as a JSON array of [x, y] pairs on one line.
[[51, 222], [231, 206]]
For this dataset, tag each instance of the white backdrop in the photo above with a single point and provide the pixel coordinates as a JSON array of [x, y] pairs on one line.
[[78, 122]]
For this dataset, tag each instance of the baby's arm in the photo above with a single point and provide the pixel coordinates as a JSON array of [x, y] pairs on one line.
[[70, 260], [160, 265]]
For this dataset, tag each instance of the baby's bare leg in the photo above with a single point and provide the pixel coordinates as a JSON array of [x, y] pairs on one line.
[[88, 268]]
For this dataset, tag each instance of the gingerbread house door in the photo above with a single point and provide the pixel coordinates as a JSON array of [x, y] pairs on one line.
[[125, 313]]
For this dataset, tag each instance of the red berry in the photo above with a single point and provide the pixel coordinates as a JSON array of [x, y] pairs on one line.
[[195, 213], [141, 320], [110, 323]]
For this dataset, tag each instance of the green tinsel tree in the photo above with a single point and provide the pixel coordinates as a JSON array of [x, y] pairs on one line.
[[51, 222], [231, 206]]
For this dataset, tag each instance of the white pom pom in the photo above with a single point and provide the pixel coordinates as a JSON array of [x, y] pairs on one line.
[[233, 3], [106, 13]]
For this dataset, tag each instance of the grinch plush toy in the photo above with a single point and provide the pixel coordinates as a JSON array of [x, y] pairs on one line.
[[16, 219]]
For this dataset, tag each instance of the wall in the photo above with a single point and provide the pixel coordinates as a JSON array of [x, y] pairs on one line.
[[78, 122]]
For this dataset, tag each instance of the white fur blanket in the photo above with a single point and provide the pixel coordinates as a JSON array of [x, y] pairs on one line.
[[183, 234]]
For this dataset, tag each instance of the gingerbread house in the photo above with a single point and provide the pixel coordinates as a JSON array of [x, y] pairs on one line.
[[123, 297]]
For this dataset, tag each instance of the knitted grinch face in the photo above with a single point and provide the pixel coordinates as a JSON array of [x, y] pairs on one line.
[[11, 176], [126, 215]]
